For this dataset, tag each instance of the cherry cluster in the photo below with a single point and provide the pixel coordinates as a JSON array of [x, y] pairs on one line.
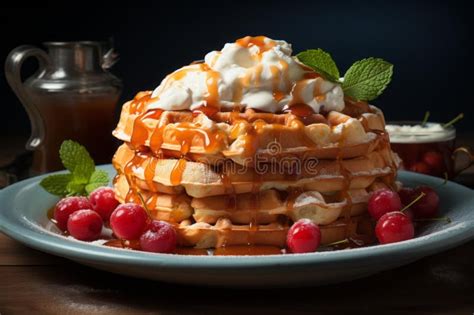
[[83, 218], [394, 213]]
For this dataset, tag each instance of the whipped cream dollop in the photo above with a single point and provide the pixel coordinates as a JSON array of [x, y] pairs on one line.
[[254, 72]]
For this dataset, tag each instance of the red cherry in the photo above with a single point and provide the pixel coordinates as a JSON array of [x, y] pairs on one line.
[[303, 237], [66, 206], [428, 205], [103, 202], [421, 167], [435, 161], [128, 221], [159, 238], [394, 227], [407, 195], [85, 225], [383, 201]]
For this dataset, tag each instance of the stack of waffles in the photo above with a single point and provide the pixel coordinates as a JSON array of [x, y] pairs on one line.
[[234, 150], [242, 177]]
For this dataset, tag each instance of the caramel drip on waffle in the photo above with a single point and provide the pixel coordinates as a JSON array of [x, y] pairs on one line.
[[149, 173], [177, 172], [140, 130], [212, 99], [152, 201], [185, 133], [347, 177], [139, 102], [389, 179], [254, 207], [156, 140], [276, 75], [229, 190], [133, 193]]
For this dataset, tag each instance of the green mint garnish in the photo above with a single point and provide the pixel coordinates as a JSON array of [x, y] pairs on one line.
[[56, 184], [82, 178], [98, 178], [367, 78], [364, 81], [321, 62]]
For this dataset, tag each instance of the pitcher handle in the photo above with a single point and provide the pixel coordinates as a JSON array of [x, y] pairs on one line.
[[13, 66], [466, 151]]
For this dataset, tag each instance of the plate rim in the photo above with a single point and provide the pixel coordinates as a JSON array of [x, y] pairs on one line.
[[38, 238]]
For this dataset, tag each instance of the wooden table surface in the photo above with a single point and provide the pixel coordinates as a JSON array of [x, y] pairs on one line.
[[32, 282]]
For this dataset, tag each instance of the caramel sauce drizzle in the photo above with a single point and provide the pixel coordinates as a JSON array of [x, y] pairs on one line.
[[212, 99], [229, 190], [118, 243], [139, 102], [237, 250], [140, 129], [129, 169], [149, 174], [258, 41], [181, 73], [177, 172], [347, 178], [152, 201], [254, 208], [285, 73]]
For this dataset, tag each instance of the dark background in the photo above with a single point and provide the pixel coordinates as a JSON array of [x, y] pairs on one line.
[[427, 41]]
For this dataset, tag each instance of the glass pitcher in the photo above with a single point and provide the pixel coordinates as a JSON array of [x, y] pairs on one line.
[[71, 96]]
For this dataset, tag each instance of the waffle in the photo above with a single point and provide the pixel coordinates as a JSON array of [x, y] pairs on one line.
[[224, 233], [242, 209], [241, 136], [201, 180]]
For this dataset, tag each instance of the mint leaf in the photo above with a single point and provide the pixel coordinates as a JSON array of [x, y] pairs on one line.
[[56, 184], [83, 177], [321, 62], [367, 78], [77, 160], [98, 178], [75, 188]]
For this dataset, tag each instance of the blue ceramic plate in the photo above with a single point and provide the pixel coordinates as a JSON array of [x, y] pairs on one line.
[[23, 217]]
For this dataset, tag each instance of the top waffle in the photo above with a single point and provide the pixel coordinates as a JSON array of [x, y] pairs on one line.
[[247, 136]]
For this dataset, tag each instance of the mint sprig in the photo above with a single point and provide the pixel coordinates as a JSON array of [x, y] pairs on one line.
[[321, 62], [365, 80], [82, 178]]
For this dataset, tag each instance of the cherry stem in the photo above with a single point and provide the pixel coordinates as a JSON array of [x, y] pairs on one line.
[[447, 219], [425, 119], [344, 241], [144, 203], [413, 202], [453, 121]]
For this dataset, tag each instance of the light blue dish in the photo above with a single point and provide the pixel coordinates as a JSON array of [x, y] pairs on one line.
[[23, 217]]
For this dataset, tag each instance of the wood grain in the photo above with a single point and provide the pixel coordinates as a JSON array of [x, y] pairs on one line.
[[13, 253], [440, 284]]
